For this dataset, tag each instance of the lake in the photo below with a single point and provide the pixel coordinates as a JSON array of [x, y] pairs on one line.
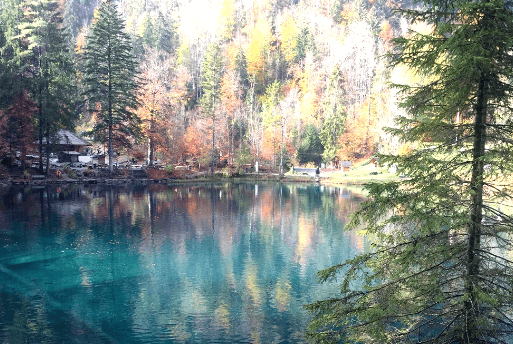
[[202, 263]]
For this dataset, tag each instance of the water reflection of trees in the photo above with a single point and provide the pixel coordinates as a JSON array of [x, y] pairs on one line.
[[218, 259]]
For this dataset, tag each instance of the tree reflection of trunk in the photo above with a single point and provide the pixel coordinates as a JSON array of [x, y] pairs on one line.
[[49, 203], [151, 210], [212, 205], [114, 248], [42, 206], [152, 207], [281, 211]]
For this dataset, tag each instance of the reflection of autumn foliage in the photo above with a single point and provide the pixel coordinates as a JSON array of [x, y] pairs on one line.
[[305, 237], [16, 129], [267, 211]]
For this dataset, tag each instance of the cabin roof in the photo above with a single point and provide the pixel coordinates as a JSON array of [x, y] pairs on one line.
[[66, 137]]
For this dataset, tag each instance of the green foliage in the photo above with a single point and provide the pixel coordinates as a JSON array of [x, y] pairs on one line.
[[334, 117], [157, 32], [211, 76], [305, 43], [270, 101], [311, 148], [78, 13], [47, 69], [241, 71], [110, 80], [439, 270], [243, 156], [164, 34], [10, 47], [169, 168]]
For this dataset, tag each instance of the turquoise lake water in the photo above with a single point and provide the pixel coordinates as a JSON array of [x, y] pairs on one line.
[[222, 263]]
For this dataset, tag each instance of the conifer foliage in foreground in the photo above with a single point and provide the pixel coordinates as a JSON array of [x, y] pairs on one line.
[[440, 269], [110, 80]]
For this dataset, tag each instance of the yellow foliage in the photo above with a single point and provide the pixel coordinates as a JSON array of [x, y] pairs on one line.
[[80, 42], [309, 85], [348, 13], [227, 18], [258, 47], [289, 33]]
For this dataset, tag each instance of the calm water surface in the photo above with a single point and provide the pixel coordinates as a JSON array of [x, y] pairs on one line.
[[224, 263]]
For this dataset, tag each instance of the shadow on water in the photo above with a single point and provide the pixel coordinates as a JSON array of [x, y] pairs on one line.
[[203, 263]]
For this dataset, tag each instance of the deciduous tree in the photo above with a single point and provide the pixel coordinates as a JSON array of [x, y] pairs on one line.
[[16, 128]]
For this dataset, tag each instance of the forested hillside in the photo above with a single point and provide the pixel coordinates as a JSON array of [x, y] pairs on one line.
[[305, 80]]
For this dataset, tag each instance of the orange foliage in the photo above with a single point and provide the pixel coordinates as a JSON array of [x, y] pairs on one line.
[[195, 143], [229, 97], [80, 41], [16, 129], [179, 94], [152, 99], [359, 139], [386, 33], [271, 142]]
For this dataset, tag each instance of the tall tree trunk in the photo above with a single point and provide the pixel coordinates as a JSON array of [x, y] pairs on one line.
[[110, 149], [40, 114], [213, 143], [282, 146], [47, 149], [476, 215], [150, 141]]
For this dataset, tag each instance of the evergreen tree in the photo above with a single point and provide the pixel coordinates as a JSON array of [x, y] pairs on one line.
[[212, 74], [48, 71], [241, 71], [440, 269], [164, 33], [334, 116], [110, 80], [10, 47], [311, 148]]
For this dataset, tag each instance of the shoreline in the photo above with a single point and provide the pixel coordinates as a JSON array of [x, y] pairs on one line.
[[150, 181]]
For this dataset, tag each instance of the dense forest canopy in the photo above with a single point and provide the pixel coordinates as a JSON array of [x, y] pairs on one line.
[[295, 81]]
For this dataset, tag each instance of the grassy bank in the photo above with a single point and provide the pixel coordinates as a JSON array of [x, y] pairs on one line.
[[360, 175]]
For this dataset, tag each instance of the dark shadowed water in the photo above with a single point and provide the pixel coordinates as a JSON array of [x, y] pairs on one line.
[[224, 263]]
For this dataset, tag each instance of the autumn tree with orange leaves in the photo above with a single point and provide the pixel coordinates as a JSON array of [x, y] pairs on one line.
[[16, 128], [153, 101]]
